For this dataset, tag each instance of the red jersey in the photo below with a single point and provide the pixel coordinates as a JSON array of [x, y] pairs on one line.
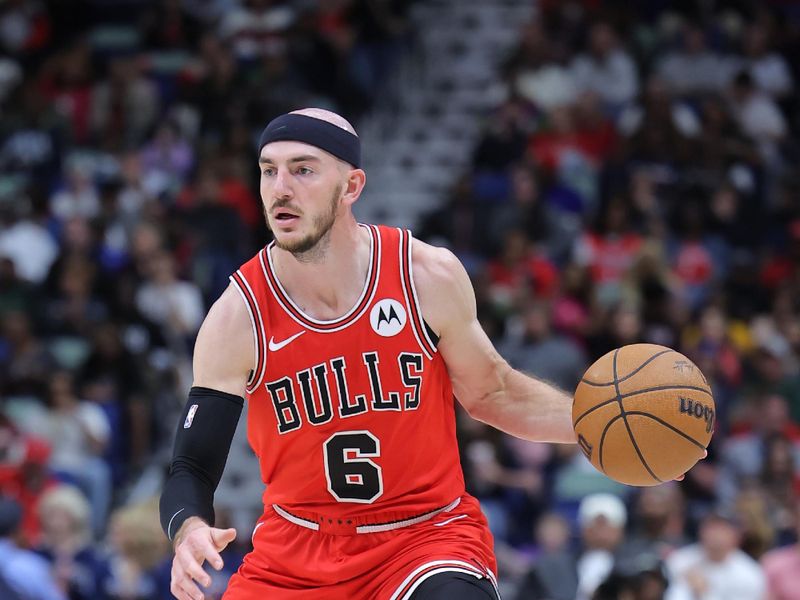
[[351, 418]]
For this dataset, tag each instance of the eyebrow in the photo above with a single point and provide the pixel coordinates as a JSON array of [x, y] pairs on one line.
[[296, 159]]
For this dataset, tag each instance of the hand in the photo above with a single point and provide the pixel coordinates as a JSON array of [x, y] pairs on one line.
[[195, 543], [680, 477], [696, 581]]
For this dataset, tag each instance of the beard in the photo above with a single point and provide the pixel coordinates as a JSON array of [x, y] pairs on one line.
[[313, 244]]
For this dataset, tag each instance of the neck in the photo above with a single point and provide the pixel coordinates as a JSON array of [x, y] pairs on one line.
[[325, 282]]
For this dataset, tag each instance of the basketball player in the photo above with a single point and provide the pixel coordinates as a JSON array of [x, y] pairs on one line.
[[350, 342]]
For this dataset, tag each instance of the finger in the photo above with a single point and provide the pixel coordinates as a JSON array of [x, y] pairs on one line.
[[176, 587], [190, 590], [680, 477], [194, 570], [223, 537], [202, 549], [705, 454]]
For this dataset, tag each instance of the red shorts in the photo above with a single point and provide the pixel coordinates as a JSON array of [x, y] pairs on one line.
[[294, 562]]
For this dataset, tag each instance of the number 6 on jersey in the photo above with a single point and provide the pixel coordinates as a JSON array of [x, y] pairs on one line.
[[351, 475]]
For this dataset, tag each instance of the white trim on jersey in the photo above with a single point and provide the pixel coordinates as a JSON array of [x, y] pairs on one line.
[[414, 291], [407, 522], [409, 307], [370, 287], [296, 520], [447, 566], [255, 379], [371, 528]]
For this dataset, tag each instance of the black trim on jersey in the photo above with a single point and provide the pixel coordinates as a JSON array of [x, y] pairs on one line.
[[406, 277], [431, 333]]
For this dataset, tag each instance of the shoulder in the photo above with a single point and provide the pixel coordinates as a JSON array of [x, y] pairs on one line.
[[434, 265], [684, 557], [776, 558], [743, 562], [228, 317], [225, 347], [442, 284]]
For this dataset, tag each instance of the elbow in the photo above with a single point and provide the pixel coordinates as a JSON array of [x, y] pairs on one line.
[[481, 404], [471, 403]]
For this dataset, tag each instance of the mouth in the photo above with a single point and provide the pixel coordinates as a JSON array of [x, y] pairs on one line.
[[284, 216]]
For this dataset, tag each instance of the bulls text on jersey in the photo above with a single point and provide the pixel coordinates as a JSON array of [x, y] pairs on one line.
[[296, 399]]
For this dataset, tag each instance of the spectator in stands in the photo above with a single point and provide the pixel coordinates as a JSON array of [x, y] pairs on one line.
[[26, 242], [553, 575], [175, 305], [536, 349], [28, 362], [66, 81], [167, 158], [782, 565], [693, 68], [139, 564], [770, 71], [658, 523], [25, 476], [537, 72], [606, 69], [27, 574], [715, 568], [529, 211], [78, 432], [124, 106], [609, 251], [744, 455], [656, 97], [257, 28], [758, 116], [521, 271], [602, 519], [66, 543]]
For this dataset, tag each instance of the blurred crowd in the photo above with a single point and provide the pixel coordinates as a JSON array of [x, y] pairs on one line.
[[128, 194], [639, 182]]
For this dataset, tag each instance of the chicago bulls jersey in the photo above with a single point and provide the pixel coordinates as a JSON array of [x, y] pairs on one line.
[[351, 418]]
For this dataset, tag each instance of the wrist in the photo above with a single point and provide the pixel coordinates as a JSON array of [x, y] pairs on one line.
[[188, 525]]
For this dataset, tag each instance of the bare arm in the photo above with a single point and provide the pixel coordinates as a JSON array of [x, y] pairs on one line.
[[484, 383], [224, 351]]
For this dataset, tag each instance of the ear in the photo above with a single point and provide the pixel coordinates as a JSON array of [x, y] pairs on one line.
[[356, 179]]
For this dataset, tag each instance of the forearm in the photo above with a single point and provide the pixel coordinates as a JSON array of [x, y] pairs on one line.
[[527, 408], [205, 431], [187, 494]]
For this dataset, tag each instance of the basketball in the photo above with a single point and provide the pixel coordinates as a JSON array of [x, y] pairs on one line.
[[643, 414]]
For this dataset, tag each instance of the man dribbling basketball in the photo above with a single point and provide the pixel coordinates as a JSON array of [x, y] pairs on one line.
[[349, 341]]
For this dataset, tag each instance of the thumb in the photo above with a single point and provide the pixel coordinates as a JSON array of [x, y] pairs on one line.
[[222, 537]]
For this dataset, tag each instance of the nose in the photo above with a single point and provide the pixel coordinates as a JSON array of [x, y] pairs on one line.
[[281, 187]]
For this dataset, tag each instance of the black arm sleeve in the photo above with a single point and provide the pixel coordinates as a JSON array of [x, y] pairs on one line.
[[202, 443]]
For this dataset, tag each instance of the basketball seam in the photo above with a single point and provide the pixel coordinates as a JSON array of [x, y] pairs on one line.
[[665, 424], [625, 419], [603, 439], [658, 388], [632, 373]]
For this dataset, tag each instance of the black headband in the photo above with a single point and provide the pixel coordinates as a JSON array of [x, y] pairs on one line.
[[316, 132]]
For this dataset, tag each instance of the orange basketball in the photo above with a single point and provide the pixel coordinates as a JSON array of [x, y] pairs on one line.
[[643, 414]]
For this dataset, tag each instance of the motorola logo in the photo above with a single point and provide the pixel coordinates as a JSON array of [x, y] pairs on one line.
[[388, 317]]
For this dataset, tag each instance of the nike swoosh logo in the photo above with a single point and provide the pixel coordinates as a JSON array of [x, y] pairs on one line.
[[275, 346]]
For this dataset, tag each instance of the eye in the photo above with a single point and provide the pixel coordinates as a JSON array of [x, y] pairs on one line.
[[304, 171], [268, 172]]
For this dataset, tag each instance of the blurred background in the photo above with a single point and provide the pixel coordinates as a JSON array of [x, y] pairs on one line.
[[609, 172]]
